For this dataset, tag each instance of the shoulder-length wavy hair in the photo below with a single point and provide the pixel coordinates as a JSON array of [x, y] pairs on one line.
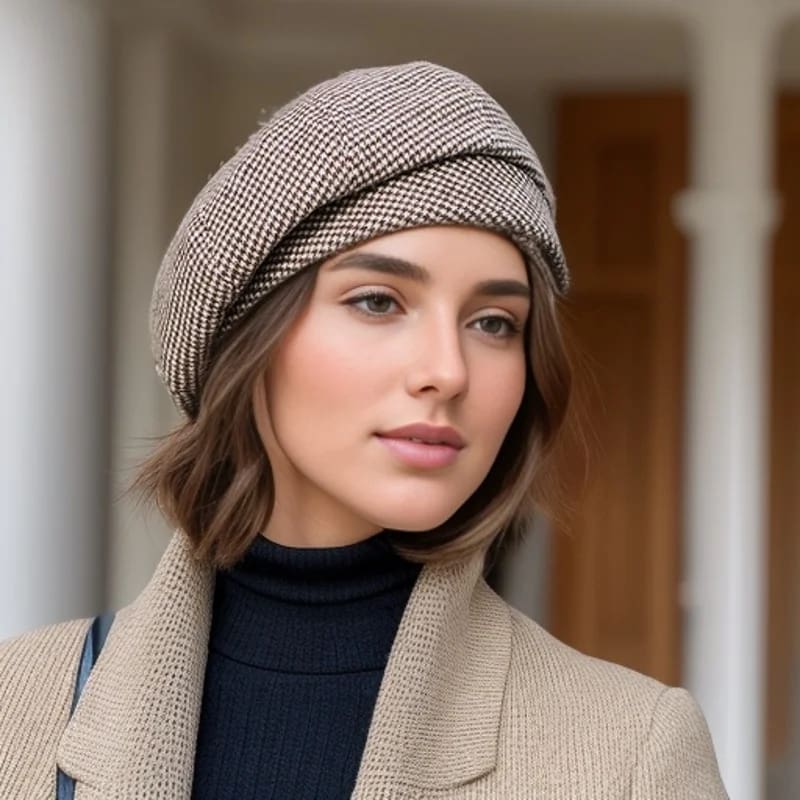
[[211, 477]]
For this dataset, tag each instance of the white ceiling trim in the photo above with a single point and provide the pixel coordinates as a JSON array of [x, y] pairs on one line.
[[265, 46]]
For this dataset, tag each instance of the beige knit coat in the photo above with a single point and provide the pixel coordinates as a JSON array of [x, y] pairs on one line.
[[477, 702]]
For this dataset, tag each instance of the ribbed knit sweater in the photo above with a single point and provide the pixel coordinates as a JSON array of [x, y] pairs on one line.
[[299, 641]]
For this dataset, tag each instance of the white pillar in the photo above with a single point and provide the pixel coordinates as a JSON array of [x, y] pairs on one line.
[[728, 214], [526, 572], [54, 257], [140, 401]]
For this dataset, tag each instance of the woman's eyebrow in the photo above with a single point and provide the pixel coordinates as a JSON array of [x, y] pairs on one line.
[[392, 265]]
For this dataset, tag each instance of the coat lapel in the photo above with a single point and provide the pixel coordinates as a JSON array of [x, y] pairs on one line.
[[134, 729], [436, 720]]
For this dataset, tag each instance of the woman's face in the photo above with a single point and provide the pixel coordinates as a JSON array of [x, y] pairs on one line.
[[420, 326]]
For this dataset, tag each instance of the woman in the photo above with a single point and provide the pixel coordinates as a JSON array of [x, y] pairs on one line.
[[357, 318]]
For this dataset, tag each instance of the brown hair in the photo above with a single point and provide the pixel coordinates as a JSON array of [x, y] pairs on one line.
[[211, 476]]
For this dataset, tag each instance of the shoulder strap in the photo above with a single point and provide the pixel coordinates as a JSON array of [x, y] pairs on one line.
[[92, 645]]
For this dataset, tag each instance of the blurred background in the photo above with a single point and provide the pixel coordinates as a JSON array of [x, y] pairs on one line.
[[671, 132]]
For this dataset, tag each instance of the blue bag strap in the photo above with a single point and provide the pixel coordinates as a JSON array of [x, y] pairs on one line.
[[92, 645]]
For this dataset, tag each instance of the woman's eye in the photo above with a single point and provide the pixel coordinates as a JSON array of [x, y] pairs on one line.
[[379, 304], [375, 303], [500, 327]]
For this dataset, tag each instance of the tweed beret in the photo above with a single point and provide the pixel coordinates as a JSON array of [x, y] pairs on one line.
[[362, 154]]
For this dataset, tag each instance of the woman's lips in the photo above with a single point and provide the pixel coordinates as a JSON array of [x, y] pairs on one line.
[[420, 454]]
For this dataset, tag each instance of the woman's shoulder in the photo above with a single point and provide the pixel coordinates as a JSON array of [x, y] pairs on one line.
[[561, 668], [50, 649], [37, 678], [622, 727]]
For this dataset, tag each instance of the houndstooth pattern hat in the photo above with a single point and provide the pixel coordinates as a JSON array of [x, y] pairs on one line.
[[366, 153]]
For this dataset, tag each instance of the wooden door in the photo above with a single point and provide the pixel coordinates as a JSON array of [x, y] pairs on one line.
[[784, 464], [621, 160]]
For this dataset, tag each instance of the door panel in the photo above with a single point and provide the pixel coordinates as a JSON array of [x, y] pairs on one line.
[[784, 498], [621, 159]]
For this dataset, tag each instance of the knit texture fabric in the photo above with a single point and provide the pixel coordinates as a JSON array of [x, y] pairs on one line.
[[477, 702], [29, 730], [299, 641]]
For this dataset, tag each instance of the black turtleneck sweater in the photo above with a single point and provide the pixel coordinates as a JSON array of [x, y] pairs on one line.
[[299, 641]]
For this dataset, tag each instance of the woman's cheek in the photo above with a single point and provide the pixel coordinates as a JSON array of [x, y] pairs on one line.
[[501, 394]]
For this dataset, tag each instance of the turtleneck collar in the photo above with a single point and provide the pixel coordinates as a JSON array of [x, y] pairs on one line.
[[323, 575], [312, 610]]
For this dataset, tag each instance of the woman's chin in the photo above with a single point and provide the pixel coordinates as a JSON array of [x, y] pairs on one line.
[[417, 521]]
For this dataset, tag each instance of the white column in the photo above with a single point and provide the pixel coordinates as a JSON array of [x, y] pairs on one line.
[[525, 572], [728, 215], [53, 321], [140, 408]]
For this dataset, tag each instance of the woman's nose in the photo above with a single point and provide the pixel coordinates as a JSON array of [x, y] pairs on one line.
[[438, 365]]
